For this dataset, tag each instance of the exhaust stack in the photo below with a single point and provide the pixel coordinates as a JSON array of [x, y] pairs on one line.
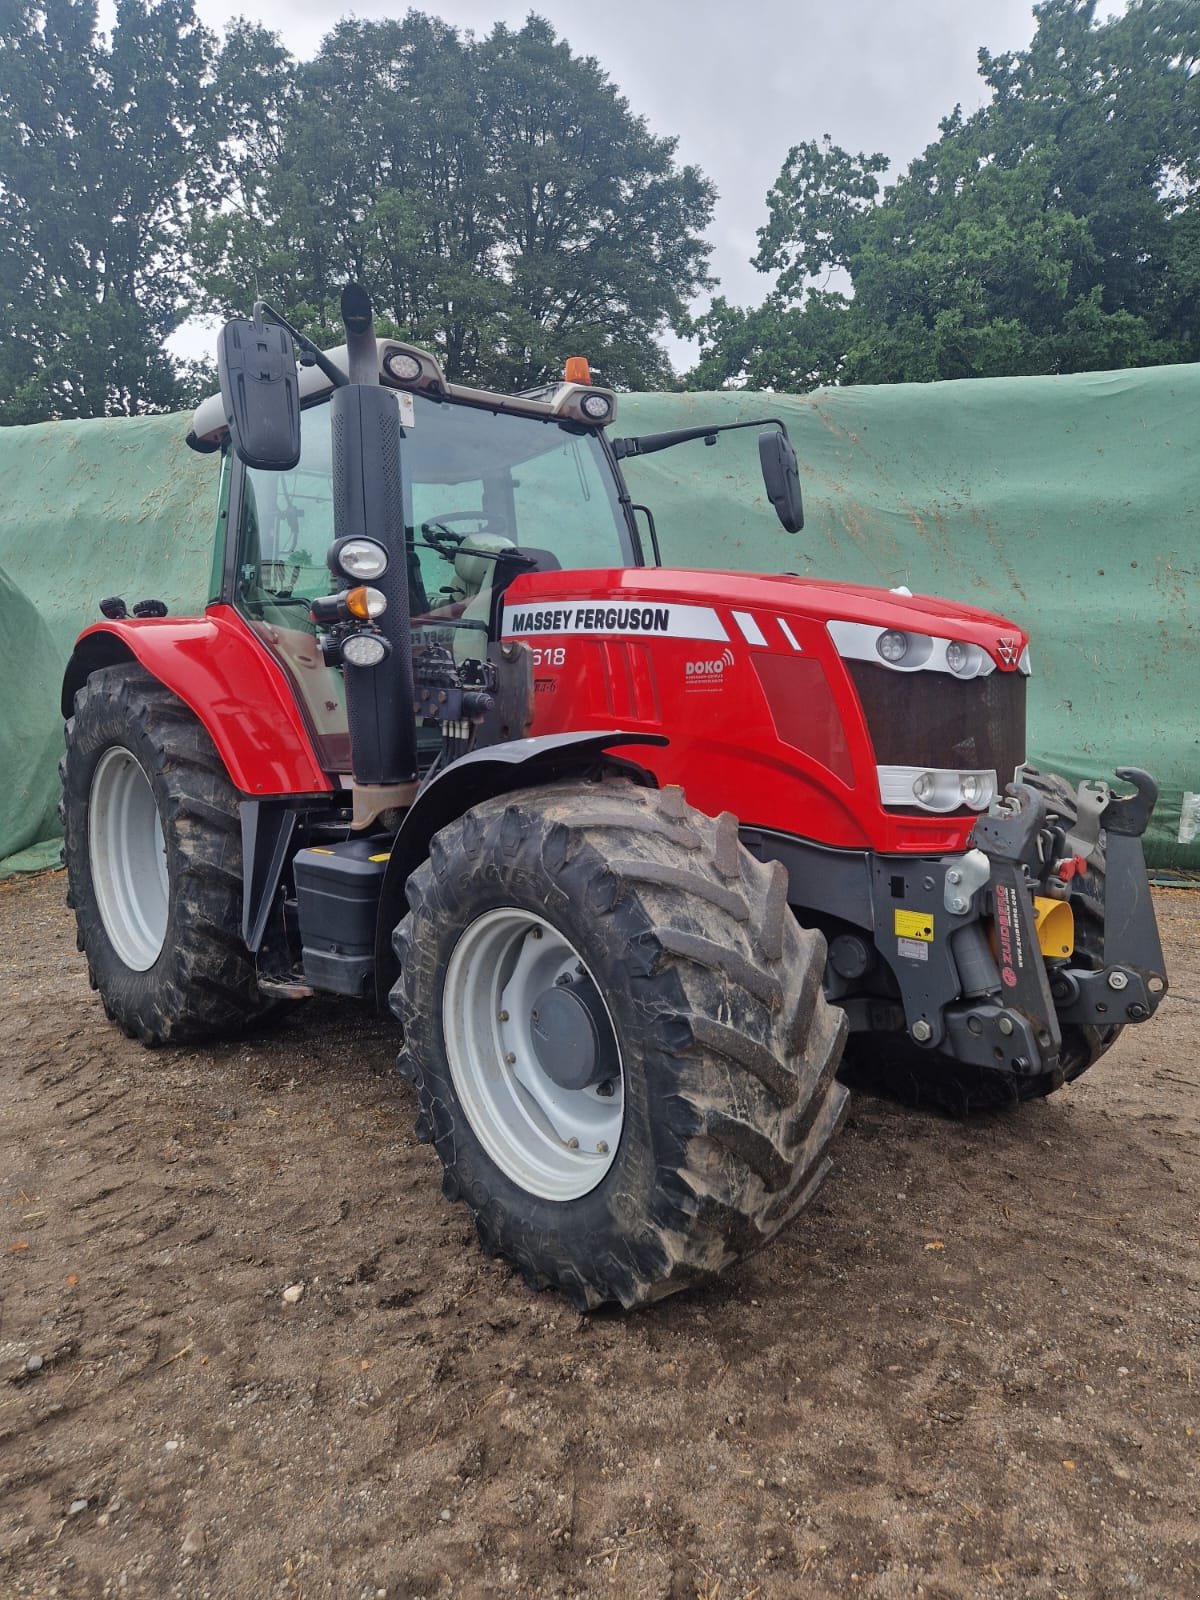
[[368, 502]]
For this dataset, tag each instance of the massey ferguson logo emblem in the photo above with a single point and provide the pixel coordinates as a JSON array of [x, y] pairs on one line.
[[707, 674], [1009, 650]]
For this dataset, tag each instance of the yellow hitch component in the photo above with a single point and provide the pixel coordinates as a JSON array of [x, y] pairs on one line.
[[1055, 926]]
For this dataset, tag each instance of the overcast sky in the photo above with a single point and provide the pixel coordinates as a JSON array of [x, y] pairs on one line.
[[737, 81]]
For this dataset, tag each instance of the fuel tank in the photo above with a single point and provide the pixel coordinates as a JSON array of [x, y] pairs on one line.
[[856, 717]]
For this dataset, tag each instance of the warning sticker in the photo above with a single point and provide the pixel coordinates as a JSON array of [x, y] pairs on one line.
[[914, 925], [914, 949]]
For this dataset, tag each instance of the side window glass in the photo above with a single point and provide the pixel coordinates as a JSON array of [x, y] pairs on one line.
[[285, 530], [565, 504]]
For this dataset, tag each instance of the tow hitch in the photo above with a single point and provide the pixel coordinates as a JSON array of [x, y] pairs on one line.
[[1130, 981]]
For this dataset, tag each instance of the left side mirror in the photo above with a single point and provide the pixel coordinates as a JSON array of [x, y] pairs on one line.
[[781, 475], [260, 391]]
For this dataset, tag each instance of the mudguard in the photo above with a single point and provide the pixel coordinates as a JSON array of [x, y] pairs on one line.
[[221, 671], [494, 770]]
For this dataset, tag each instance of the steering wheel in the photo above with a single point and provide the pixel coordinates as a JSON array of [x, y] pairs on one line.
[[439, 532]]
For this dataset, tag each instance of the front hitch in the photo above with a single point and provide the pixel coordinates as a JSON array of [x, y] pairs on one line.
[[1132, 980]]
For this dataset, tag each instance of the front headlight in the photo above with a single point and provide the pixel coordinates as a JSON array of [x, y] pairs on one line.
[[364, 649], [362, 560], [937, 789]]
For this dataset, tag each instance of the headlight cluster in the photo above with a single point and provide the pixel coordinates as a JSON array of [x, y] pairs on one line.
[[910, 651], [936, 788]]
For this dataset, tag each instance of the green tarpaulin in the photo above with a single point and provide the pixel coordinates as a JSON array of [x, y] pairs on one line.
[[1068, 504]]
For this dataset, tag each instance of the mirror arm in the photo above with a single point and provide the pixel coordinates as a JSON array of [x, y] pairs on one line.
[[265, 312], [649, 443]]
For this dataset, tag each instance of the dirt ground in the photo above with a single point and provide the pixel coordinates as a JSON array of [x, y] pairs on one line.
[[971, 1368]]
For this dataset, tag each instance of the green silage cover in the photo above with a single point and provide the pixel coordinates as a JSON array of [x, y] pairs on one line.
[[89, 509], [1068, 504]]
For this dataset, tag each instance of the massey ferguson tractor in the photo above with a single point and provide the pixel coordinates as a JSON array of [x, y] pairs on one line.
[[631, 852]]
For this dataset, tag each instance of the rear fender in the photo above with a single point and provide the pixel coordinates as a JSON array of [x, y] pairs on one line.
[[496, 769], [219, 669]]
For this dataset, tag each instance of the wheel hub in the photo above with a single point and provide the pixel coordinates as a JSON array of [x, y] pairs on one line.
[[128, 859], [532, 1054], [571, 1035]]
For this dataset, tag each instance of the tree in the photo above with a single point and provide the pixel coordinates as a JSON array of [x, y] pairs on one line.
[[497, 196], [1052, 231], [101, 149]]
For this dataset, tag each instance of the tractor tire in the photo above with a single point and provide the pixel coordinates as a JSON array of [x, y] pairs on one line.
[[897, 1069], [154, 863], [695, 1002]]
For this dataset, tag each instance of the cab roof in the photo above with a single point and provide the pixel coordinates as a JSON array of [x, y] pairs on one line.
[[210, 429]]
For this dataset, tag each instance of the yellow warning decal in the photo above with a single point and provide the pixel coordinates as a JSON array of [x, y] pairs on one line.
[[320, 850], [386, 856], [914, 925]]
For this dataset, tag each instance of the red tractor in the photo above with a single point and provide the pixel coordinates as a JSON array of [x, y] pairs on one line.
[[630, 851]]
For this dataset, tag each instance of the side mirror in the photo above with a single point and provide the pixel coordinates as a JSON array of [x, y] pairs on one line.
[[781, 474], [260, 391]]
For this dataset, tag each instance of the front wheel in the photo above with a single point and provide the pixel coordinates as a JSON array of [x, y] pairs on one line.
[[617, 1036], [154, 862]]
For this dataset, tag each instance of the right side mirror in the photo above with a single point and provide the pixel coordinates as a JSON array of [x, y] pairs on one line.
[[260, 391], [781, 475]]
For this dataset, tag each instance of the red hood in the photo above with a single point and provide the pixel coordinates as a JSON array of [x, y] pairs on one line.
[[806, 597]]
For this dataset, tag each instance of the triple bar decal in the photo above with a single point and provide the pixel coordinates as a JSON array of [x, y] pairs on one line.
[[629, 617]]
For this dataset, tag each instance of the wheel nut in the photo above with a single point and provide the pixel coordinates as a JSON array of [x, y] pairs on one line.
[[572, 1143], [509, 1057], [921, 1031], [502, 1016], [602, 1148], [1118, 980], [537, 933]]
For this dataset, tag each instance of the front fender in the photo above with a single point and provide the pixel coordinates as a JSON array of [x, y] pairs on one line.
[[220, 670], [494, 770]]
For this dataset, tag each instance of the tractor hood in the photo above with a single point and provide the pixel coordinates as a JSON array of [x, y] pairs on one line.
[[758, 610]]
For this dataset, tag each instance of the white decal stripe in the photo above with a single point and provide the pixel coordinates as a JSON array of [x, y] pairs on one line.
[[751, 631], [627, 618], [789, 635]]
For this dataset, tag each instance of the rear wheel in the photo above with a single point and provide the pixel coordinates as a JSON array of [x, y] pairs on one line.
[[892, 1065], [154, 862], [617, 1037]]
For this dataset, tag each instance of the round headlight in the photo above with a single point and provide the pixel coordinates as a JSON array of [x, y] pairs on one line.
[[925, 789], [977, 789], [594, 406], [958, 657], [401, 366], [364, 649], [361, 559], [892, 646]]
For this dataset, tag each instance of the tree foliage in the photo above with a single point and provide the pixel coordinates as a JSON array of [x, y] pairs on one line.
[[1054, 230], [497, 196], [102, 147]]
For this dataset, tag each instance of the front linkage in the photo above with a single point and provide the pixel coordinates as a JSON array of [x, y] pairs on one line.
[[962, 933]]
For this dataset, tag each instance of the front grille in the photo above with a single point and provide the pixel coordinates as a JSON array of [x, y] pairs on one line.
[[932, 719]]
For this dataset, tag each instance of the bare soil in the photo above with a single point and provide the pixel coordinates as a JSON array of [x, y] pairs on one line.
[[971, 1368]]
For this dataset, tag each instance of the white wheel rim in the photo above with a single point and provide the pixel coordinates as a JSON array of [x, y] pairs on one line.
[[554, 1142], [128, 858]]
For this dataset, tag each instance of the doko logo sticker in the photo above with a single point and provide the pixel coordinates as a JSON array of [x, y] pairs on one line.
[[709, 671]]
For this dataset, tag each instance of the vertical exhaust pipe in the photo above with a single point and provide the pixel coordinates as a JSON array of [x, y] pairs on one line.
[[368, 502]]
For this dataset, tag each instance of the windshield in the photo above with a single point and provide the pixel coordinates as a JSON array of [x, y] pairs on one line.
[[471, 477], [475, 482]]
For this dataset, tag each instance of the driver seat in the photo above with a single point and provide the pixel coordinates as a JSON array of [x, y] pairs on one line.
[[473, 574]]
